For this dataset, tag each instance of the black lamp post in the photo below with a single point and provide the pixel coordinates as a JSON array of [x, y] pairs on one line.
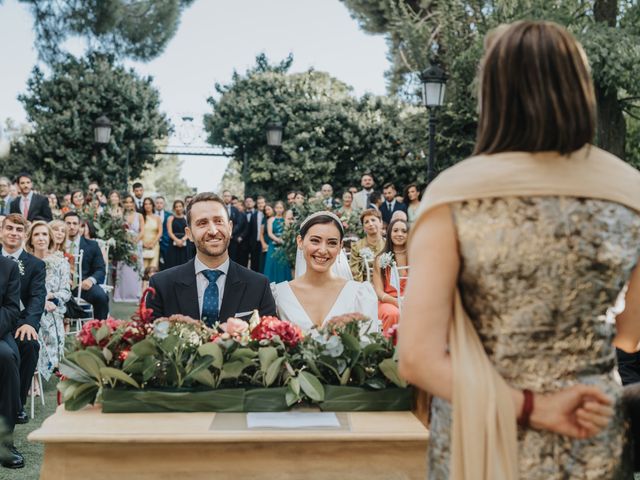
[[434, 81], [102, 136], [274, 134]]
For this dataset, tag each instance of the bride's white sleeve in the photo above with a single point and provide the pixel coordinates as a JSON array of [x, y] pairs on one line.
[[274, 292], [367, 304]]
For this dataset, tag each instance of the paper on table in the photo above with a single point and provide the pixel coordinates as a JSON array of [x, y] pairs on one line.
[[292, 420]]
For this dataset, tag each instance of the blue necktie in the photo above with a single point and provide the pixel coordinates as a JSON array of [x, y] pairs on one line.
[[211, 298]]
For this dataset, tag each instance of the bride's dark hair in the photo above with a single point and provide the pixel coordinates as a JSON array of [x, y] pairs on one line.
[[321, 219]]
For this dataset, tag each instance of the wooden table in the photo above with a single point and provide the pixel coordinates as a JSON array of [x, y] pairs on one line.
[[90, 445]]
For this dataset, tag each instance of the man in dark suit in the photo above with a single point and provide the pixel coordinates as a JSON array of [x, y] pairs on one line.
[[210, 287], [240, 228], [33, 294], [159, 210], [9, 361], [138, 196], [255, 215], [5, 196], [93, 267], [29, 204], [390, 203]]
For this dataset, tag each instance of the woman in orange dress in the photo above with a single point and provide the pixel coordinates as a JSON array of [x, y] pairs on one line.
[[395, 252]]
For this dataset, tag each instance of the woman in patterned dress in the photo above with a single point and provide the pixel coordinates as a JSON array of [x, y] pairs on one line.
[[534, 238], [40, 243]]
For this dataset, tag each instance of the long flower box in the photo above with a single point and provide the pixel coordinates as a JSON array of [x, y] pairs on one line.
[[337, 398]]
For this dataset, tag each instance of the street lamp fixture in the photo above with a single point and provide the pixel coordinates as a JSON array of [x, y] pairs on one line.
[[274, 134], [102, 130], [434, 81]]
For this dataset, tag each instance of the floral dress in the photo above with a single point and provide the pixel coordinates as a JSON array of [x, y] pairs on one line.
[[51, 333]]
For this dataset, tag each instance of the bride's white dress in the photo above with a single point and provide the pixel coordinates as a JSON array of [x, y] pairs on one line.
[[355, 297]]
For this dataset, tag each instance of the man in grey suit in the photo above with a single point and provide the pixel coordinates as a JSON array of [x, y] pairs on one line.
[[5, 196], [361, 199]]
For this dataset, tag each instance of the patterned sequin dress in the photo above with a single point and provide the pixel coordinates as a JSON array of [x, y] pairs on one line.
[[537, 277]]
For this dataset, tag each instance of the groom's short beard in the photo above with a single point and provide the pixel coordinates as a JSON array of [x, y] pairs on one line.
[[201, 246]]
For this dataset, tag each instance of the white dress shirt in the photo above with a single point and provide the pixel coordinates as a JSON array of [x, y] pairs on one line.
[[15, 255], [29, 198], [202, 283]]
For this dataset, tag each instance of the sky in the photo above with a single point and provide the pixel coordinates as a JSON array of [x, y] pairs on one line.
[[216, 37]]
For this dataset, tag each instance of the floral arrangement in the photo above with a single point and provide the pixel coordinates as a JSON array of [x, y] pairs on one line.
[[351, 223], [300, 212], [265, 356], [114, 230], [386, 260], [367, 254]]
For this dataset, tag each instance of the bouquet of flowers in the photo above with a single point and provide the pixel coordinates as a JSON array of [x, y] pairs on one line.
[[114, 230], [266, 361]]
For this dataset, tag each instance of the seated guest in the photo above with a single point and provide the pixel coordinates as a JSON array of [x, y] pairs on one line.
[[395, 251], [29, 204], [9, 362], [368, 247], [93, 267], [32, 295], [40, 242]]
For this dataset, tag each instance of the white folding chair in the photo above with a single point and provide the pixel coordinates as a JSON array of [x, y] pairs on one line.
[[86, 306], [367, 263], [36, 380], [398, 276], [104, 248]]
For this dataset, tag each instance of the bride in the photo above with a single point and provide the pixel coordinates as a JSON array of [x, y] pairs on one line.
[[319, 294]]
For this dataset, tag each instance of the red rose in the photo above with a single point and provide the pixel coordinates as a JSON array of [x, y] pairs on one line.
[[124, 354], [270, 327]]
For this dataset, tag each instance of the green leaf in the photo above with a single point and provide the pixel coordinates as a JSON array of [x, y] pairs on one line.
[[144, 348], [243, 354], [169, 344], [267, 355], [372, 348], [273, 371], [389, 368], [90, 364], [101, 333], [291, 398], [311, 386], [350, 342], [83, 395], [232, 369], [213, 350], [344, 378], [131, 359], [73, 371], [149, 371], [204, 377], [116, 374], [294, 385]]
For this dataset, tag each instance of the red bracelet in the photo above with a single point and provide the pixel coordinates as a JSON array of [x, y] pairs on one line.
[[527, 408]]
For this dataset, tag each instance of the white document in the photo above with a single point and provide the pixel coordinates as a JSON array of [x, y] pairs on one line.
[[292, 420]]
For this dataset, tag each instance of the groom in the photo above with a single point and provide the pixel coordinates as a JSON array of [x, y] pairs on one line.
[[210, 287]]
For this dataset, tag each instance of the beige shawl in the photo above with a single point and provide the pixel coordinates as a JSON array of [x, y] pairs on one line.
[[484, 434]]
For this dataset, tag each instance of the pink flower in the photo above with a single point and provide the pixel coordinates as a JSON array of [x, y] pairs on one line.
[[235, 327]]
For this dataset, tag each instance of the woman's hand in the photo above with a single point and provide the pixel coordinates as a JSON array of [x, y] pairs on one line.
[[50, 306], [579, 411]]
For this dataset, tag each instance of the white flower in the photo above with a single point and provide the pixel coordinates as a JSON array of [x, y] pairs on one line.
[[21, 267], [367, 253], [386, 260], [111, 242], [161, 329]]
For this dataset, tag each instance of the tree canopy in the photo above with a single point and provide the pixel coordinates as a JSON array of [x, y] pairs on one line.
[[329, 134], [451, 33], [60, 151], [139, 29]]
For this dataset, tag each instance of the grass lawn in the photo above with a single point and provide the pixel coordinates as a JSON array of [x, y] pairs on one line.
[[32, 451]]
